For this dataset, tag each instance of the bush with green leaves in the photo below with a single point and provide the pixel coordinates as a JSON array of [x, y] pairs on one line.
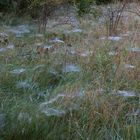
[[14, 6], [83, 6], [4, 4], [98, 2]]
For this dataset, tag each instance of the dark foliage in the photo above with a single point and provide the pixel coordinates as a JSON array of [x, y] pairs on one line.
[[21, 7]]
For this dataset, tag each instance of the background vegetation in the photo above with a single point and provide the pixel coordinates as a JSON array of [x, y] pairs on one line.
[[20, 6]]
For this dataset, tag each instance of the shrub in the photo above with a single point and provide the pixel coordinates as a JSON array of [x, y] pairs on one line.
[[14, 5], [98, 2], [4, 5], [83, 6]]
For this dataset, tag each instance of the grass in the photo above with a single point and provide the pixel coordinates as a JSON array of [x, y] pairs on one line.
[[101, 115]]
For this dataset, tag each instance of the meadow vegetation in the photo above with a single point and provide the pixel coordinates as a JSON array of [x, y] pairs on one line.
[[70, 83]]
